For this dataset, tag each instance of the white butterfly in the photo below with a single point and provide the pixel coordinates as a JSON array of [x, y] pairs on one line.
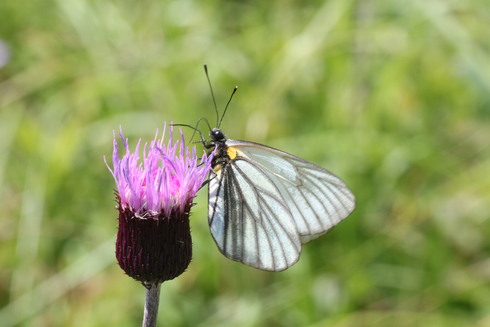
[[265, 203]]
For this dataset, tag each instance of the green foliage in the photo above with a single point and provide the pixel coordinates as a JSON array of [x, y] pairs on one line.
[[393, 96]]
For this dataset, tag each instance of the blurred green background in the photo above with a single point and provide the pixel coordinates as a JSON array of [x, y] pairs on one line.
[[393, 96]]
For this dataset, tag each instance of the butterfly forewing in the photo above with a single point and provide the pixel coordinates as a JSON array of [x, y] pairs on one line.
[[265, 202], [318, 199]]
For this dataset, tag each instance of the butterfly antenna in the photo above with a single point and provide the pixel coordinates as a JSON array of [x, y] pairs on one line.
[[212, 93], [227, 104]]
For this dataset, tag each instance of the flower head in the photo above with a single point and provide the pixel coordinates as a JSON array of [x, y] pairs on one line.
[[154, 195], [165, 180]]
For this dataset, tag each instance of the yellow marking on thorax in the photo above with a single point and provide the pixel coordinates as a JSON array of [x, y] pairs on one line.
[[232, 152]]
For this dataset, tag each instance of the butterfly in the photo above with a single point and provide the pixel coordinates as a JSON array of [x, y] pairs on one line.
[[265, 203]]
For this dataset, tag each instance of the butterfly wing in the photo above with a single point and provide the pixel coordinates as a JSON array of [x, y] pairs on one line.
[[250, 221], [265, 203]]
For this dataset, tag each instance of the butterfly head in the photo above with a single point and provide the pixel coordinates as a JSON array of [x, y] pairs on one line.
[[217, 136]]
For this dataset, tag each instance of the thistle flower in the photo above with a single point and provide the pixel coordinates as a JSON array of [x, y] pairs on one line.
[[154, 195]]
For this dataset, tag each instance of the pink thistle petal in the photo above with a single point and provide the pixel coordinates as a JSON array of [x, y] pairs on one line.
[[164, 180]]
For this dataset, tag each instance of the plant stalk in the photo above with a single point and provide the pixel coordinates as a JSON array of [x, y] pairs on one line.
[[151, 305]]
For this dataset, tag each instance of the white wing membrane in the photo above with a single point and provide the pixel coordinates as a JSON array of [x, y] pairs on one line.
[[265, 203], [251, 224]]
